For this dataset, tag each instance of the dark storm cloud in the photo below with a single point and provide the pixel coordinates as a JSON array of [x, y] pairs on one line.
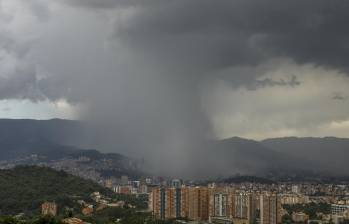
[[18, 78], [141, 77], [6, 109], [10, 46], [193, 40], [21, 85], [268, 82], [200, 35], [39, 8], [339, 96], [103, 4]]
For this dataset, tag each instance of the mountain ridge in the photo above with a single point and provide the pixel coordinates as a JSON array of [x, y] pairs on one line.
[[225, 157]]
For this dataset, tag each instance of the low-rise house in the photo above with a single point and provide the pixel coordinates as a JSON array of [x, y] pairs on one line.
[[49, 208], [73, 221], [300, 217], [87, 211]]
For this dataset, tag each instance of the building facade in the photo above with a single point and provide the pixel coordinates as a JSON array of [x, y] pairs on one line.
[[244, 207], [270, 208], [214, 204], [49, 208]]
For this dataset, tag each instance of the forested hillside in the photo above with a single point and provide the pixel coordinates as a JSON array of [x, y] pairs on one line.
[[24, 188]]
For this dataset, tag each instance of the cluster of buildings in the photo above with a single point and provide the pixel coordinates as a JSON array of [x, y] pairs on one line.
[[50, 209], [246, 203], [215, 205], [339, 212], [99, 202], [102, 202], [243, 203], [124, 185]]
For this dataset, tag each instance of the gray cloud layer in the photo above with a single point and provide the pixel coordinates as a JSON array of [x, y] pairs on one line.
[[140, 67], [198, 38], [202, 34]]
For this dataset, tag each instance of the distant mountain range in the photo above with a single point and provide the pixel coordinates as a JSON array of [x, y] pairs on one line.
[[65, 132], [328, 154], [48, 143], [56, 139], [276, 157]]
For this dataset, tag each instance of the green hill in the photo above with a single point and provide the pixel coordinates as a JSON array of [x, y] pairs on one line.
[[24, 188]]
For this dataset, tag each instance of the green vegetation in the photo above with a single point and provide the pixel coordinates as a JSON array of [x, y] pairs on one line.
[[25, 188], [111, 215], [139, 201], [287, 219], [34, 220], [124, 216], [310, 209]]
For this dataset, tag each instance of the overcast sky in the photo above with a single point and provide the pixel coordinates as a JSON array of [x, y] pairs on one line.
[[177, 70]]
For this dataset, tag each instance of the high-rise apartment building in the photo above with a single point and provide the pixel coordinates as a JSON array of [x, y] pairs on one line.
[[270, 208], [163, 203], [186, 202], [220, 204], [169, 202], [198, 200], [244, 207], [177, 183], [204, 203], [124, 180]]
